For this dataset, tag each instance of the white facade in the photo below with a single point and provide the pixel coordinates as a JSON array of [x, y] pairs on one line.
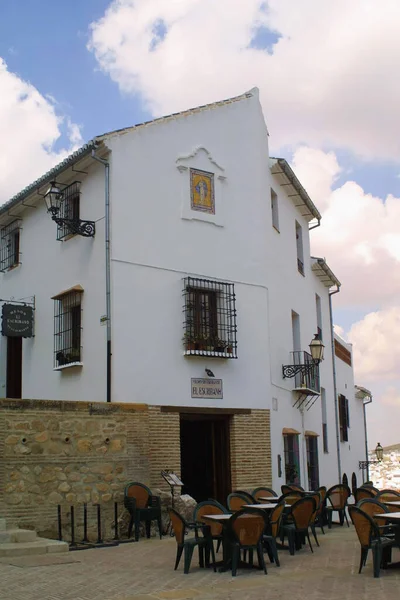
[[156, 241]]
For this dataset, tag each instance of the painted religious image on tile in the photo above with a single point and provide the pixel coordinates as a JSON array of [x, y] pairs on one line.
[[202, 191]]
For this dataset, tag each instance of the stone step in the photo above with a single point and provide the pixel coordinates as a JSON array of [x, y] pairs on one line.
[[16, 536], [3, 524], [39, 546]]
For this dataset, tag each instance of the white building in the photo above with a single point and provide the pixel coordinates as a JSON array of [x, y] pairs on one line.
[[207, 240]]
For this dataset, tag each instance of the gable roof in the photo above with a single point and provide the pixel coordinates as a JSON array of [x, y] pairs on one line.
[[96, 141], [287, 177]]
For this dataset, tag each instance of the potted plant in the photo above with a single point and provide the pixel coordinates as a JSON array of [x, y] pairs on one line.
[[74, 355], [189, 341], [61, 359], [219, 345], [229, 347]]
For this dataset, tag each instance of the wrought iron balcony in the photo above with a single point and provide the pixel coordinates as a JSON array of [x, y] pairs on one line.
[[305, 372]]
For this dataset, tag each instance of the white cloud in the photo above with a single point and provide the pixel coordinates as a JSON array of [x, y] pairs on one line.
[[328, 81], [29, 127]]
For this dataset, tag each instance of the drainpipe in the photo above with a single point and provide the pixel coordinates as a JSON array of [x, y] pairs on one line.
[[304, 451], [334, 384], [365, 402], [108, 268]]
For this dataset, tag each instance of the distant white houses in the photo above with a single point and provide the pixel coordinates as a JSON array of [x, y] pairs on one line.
[[189, 286]]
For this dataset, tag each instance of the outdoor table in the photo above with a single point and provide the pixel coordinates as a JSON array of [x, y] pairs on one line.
[[393, 503], [394, 518], [272, 499], [226, 550], [261, 506]]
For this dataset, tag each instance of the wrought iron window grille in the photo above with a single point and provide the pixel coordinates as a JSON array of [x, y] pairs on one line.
[[68, 218], [209, 318], [10, 246], [68, 329], [300, 266]]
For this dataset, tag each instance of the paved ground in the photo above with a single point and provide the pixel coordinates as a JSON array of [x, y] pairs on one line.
[[144, 571]]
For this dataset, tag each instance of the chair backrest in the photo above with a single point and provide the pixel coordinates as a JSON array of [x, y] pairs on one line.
[[317, 498], [291, 497], [338, 495], [263, 491], [387, 497], [247, 526], [209, 507], [353, 483], [179, 525], [249, 496], [365, 527], [345, 479], [362, 493], [140, 492], [370, 487], [373, 507], [285, 488], [322, 493], [302, 512], [275, 518], [296, 488], [235, 501], [392, 492]]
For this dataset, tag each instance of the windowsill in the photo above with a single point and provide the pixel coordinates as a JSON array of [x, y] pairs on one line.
[[209, 353], [301, 272], [69, 236], [11, 268], [68, 366], [276, 229]]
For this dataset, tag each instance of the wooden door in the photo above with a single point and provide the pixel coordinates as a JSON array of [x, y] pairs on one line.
[[14, 367]]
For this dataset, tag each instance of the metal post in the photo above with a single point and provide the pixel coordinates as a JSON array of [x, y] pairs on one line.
[[73, 543], [116, 520], [85, 536], [99, 539], [59, 522]]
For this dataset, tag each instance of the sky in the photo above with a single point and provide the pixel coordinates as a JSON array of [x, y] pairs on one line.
[[330, 96]]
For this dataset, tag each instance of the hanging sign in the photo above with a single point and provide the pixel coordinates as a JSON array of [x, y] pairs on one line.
[[207, 388], [17, 321]]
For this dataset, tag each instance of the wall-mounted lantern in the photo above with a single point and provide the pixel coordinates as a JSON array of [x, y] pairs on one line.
[[54, 198], [307, 368]]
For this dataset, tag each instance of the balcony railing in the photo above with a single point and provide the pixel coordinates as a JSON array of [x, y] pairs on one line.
[[310, 379]]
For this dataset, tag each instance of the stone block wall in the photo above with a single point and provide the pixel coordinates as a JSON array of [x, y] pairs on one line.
[[68, 453]]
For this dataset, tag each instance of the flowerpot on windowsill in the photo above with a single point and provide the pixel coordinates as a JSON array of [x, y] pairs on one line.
[[229, 350]]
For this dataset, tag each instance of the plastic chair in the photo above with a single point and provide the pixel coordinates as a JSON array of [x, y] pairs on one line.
[[236, 500], [362, 493], [301, 514], [370, 538], [263, 491], [337, 495], [180, 526], [314, 516], [142, 506], [273, 529], [210, 507], [373, 507], [245, 529]]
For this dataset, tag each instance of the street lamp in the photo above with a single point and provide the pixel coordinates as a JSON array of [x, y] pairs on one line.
[[307, 368], [364, 464], [54, 198]]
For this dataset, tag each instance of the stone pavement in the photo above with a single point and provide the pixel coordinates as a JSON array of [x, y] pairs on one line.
[[144, 571]]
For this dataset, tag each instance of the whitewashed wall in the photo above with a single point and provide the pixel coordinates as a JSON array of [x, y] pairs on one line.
[[49, 267]]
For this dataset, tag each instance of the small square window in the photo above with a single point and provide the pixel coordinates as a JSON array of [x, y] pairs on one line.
[[67, 328], [210, 318], [10, 246], [274, 210], [70, 210]]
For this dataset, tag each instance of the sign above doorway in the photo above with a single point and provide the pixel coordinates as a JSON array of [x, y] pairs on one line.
[[207, 388], [17, 321]]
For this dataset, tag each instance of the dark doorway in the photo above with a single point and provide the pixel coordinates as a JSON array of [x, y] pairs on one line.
[[205, 456], [14, 367]]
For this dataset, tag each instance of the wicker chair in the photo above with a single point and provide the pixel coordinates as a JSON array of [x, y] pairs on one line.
[[286, 488], [362, 493], [337, 495], [250, 497], [236, 500], [291, 497], [188, 545], [263, 492], [315, 516], [142, 506], [373, 507], [245, 529], [301, 513], [370, 487], [388, 496], [370, 538], [272, 532], [322, 518], [210, 507]]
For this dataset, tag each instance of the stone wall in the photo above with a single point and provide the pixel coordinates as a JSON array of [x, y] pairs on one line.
[[69, 453], [386, 474]]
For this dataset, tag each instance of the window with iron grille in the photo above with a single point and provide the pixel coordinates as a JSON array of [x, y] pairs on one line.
[[299, 246], [70, 209], [343, 418], [9, 245], [67, 328], [292, 458], [324, 421], [312, 462], [209, 318]]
